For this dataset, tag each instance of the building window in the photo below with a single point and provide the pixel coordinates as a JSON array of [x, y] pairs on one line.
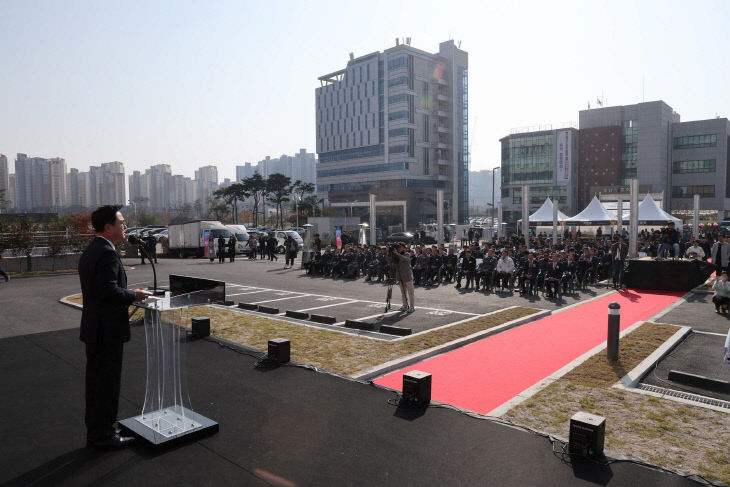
[[538, 195], [695, 141], [360, 152], [398, 115], [704, 190], [398, 98], [684, 167], [393, 166], [528, 160], [400, 62], [402, 80], [398, 132], [426, 128], [394, 149], [425, 161]]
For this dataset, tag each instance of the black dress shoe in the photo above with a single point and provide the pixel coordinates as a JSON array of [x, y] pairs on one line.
[[114, 441]]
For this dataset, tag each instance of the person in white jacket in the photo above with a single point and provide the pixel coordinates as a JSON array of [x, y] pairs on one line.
[[505, 266], [695, 251]]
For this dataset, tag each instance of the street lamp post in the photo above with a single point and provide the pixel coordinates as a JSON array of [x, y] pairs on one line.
[[494, 170]]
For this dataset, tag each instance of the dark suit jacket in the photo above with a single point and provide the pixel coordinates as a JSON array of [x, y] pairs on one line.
[[105, 317]]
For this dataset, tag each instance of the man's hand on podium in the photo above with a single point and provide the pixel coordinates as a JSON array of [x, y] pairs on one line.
[[141, 294]]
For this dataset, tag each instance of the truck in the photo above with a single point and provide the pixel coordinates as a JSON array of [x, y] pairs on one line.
[[192, 238]]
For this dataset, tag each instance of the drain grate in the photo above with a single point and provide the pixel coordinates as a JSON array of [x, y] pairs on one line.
[[686, 396]]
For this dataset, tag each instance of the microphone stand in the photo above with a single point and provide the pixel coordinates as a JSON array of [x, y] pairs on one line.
[[143, 250]]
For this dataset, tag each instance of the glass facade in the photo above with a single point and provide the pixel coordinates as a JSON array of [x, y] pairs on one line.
[[684, 167], [463, 131], [629, 153], [704, 190], [527, 160], [538, 194], [695, 141], [394, 166], [342, 155]]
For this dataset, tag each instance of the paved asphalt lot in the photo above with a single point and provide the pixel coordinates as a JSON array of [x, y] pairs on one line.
[[30, 305], [701, 352]]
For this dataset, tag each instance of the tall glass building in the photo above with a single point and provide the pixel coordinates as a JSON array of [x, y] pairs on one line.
[[395, 124]]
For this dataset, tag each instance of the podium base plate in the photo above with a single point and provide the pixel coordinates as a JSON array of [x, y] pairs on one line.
[[196, 426]]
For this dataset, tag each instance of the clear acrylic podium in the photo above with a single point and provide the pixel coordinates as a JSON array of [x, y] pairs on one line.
[[167, 414]]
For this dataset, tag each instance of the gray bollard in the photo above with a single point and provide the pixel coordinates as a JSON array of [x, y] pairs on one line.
[[614, 325]]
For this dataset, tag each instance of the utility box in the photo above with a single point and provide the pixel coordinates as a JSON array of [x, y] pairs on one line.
[[587, 434]]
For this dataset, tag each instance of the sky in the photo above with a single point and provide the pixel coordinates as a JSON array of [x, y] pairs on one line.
[[192, 83]]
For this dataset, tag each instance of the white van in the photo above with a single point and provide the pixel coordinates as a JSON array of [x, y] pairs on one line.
[[241, 237]]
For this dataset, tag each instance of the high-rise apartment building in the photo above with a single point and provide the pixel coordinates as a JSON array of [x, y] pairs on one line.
[[206, 180], [10, 197], [72, 188], [245, 171], [40, 184], [112, 184], [4, 182], [395, 123]]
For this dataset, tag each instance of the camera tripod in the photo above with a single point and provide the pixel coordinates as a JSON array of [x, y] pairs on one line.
[[389, 294]]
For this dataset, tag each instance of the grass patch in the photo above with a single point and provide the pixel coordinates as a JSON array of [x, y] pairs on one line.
[[338, 352], [675, 435]]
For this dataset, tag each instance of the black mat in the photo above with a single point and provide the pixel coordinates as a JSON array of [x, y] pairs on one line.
[[311, 428], [668, 274]]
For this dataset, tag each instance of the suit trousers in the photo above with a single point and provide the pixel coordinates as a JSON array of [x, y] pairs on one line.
[[103, 381]]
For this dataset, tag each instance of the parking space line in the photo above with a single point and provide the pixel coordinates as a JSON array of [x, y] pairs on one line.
[[710, 333], [368, 317], [377, 302], [281, 299], [248, 292], [327, 305]]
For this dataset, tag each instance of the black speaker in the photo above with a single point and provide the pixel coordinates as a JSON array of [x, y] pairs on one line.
[[279, 350], [587, 433], [201, 326], [416, 389]]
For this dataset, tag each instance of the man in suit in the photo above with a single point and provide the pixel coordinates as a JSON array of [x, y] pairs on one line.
[[619, 251], [720, 254], [104, 325]]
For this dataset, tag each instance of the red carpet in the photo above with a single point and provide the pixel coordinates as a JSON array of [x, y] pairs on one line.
[[482, 376]]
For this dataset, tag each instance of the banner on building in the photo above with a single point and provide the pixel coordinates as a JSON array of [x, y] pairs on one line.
[[564, 152]]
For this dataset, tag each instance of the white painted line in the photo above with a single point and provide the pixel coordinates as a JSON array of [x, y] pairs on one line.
[[280, 299], [710, 333], [368, 317], [326, 306], [249, 292]]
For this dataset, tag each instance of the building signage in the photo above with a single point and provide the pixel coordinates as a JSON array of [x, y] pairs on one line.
[[564, 146]]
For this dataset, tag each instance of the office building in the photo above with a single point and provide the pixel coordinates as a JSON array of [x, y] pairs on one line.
[[673, 160], [544, 160], [395, 123]]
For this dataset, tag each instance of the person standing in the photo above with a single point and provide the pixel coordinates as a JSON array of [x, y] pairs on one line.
[[253, 243], [232, 247], [619, 251], [271, 247], [404, 276], [262, 245], [291, 251], [143, 243], [105, 325], [221, 249], [720, 254]]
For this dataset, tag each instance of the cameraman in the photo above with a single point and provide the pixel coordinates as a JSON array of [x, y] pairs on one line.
[[404, 276]]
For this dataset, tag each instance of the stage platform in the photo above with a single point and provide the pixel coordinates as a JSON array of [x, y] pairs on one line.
[[284, 426], [667, 274]]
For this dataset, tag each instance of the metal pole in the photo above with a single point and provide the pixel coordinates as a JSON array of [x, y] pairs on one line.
[[614, 325], [696, 217], [526, 214], [555, 222], [296, 209], [634, 220], [440, 216], [499, 218], [373, 232], [620, 215]]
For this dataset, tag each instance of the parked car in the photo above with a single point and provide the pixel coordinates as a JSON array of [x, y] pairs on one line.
[[281, 236], [160, 234], [242, 237], [396, 237]]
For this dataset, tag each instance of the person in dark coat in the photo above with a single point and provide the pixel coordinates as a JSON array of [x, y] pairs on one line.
[[290, 247], [221, 249], [151, 247], [104, 325], [232, 247]]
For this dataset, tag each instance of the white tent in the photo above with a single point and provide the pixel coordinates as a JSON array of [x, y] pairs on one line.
[[544, 215], [595, 214], [651, 214]]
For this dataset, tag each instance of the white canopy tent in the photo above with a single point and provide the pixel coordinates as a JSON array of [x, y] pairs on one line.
[[595, 214], [651, 214], [544, 215]]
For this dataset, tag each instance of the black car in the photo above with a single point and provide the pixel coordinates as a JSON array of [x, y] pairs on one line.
[[396, 237]]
